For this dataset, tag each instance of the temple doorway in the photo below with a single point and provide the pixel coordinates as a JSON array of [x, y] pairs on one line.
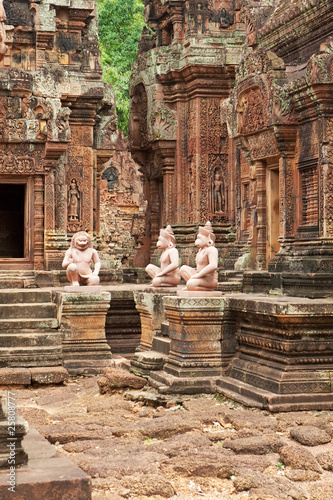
[[273, 212], [12, 221]]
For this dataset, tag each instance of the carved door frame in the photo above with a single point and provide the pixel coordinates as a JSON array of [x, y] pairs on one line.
[[27, 261]]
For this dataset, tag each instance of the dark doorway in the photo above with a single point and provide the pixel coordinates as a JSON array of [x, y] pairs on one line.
[[12, 202]]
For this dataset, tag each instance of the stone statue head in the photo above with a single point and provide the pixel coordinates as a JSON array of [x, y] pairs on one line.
[[205, 236], [81, 240], [166, 238]]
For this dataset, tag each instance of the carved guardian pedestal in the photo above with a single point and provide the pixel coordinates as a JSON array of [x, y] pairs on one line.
[[151, 308], [195, 359], [285, 353], [82, 319]]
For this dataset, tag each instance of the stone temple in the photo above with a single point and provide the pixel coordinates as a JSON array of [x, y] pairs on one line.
[[231, 122]]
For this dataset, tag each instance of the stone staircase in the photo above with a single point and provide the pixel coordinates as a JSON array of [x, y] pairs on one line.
[[30, 342], [143, 362], [230, 282]]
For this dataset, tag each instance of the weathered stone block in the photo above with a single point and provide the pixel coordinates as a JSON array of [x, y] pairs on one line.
[[82, 319], [52, 375], [285, 352], [150, 306]]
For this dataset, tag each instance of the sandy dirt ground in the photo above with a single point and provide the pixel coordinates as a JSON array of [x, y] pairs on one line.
[[183, 449]]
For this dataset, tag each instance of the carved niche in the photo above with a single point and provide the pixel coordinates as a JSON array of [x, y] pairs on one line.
[[74, 206]]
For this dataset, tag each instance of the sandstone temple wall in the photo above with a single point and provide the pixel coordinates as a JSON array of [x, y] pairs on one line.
[[231, 122], [58, 131]]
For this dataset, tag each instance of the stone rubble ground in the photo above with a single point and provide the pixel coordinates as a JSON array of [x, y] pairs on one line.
[[203, 447]]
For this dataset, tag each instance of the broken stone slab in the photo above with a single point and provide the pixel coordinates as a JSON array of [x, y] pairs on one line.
[[47, 475], [309, 435], [258, 445], [49, 375], [34, 375], [144, 362], [298, 457], [116, 378], [326, 460]]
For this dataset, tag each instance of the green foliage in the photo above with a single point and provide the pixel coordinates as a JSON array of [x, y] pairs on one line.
[[120, 25]]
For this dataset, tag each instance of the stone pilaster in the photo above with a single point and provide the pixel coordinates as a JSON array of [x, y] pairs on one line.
[[260, 168]]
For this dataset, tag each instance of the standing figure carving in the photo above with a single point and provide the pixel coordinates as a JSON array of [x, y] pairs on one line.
[[73, 201], [218, 193], [204, 277], [168, 274], [77, 261], [3, 18]]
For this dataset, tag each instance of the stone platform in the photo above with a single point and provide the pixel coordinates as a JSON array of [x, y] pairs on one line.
[[284, 357], [47, 474]]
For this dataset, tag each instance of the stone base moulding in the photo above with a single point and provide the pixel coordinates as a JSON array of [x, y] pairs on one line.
[[82, 319], [284, 360], [47, 474], [195, 357]]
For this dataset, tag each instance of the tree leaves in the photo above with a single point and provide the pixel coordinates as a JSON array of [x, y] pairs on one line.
[[120, 26]]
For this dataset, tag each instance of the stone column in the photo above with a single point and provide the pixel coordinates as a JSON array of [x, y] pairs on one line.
[[82, 320], [195, 359], [260, 169]]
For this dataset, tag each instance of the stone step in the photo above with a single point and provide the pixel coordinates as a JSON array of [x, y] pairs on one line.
[[29, 339], [31, 356], [54, 374], [165, 329], [146, 361], [25, 296], [229, 286], [161, 344], [13, 325], [11, 279], [26, 311]]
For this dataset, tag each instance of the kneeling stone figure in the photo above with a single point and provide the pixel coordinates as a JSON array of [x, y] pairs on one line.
[[77, 261]]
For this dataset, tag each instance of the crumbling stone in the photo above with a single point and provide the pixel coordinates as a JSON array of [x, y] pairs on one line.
[[309, 435], [116, 378]]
